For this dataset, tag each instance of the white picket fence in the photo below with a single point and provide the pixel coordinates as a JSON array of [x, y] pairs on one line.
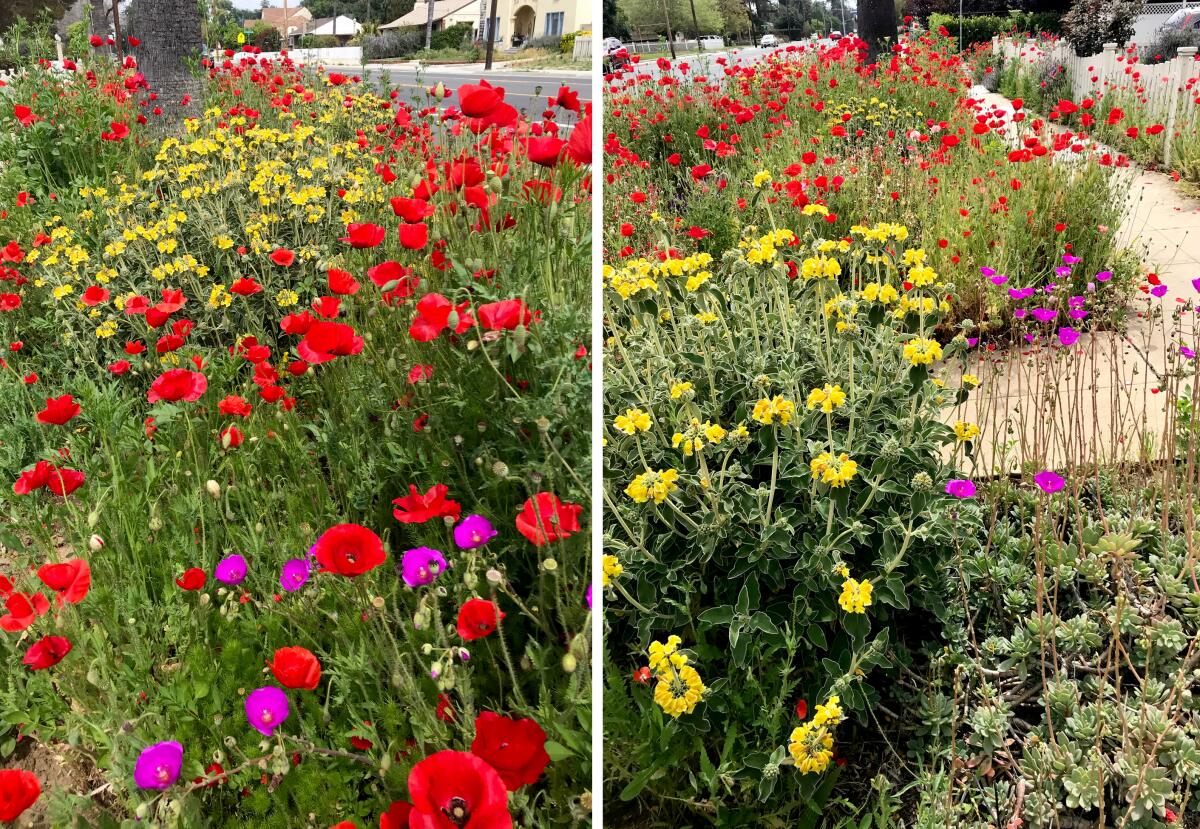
[[1167, 93], [583, 47]]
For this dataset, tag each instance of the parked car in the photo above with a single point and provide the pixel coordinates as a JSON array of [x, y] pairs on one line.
[[1183, 20], [769, 41], [611, 44], [835, 35]]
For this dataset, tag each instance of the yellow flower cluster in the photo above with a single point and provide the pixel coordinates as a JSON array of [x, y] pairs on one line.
[[856, 595], [693, 439], [653, 485], [828, 398], [610, 568], [820, 267], [833, 471], [632, 422], [811, 744], [883, 294], [678, 390], [638, 275], [881, 232], [763, 250], [762, 177], [965, 431], [679, 689], [922, 351], [766, 411]]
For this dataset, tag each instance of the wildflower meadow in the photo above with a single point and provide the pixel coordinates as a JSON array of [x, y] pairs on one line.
[[898, 520], [296, 403]]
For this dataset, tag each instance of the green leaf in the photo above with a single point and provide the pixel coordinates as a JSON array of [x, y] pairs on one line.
[[722, 615], [638, 783], [557, 751]]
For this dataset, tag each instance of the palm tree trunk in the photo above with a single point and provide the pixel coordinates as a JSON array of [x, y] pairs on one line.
[[877, 26], [171, 43]]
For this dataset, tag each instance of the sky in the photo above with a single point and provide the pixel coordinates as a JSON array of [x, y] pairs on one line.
[[256, 4]]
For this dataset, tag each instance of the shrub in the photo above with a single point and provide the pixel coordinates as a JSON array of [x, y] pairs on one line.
[[567, 43], [265, 37], [981, 28], [1091, 23], [393, 44], [318, 42], [1165, 45]]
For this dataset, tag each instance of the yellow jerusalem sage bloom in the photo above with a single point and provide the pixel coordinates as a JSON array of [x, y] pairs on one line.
[[632, 422], [828, 398], [820, 267], [653, 485], [922, 351], [767, 410], [856, 596], [610, 568], [966, 431], [762, 177], [833, 471], [678, 390], [811, 747], [679, 689], [970, 381]]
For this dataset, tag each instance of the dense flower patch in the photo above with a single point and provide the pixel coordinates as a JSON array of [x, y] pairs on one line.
[[296, 404], [822, 607]]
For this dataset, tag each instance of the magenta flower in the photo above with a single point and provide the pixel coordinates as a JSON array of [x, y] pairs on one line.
[[474, 531], [999, 279], [421, 566], [1196, 283], [1070, 259], [1103, 276], [1067, 335], [295, 574], [960, 488], [158, 765], [1045, 314], [1187, 352], [266, 709], [1020, 293], [1159, 290], [231, 570], [1049, 481]]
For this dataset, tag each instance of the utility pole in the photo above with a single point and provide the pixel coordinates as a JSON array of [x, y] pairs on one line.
[[696, 26], [493, 26], [670, 34]]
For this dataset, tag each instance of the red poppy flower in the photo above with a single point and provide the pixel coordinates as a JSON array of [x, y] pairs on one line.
[[411, 210], [33, 479], [396, 817], [414, 236], [516, 748], [24, 115], [394, 278], [59, 410], [296, 668], [479, 100], [566, 98], [342, 282], [642, 675], [47, 652], [416, 508], [235, 406], [297, 324], [457, 790], [23, 611], [94, 295], [327, 306], [283, 257], [70, 579], [232, 437], [326, 340], [245, 286], [445, 710], [433, 317], [544, 518], [119, 367], [19, 789], [192, 579], [118, 132], [504, 316], [545, 150], [63, 481], [802, 709], [349, 550], [177, 384], [364, 235], [419, 372], [478, 618]]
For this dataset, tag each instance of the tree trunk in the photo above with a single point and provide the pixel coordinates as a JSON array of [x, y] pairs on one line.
[[100, 12], [170, 48], [877, 26], [429, 26]]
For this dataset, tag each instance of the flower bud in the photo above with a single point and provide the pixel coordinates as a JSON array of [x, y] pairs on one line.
[[214, 488], [95, 543], [569, 663]]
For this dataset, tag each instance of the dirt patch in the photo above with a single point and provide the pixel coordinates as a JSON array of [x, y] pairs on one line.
[[59, 768]]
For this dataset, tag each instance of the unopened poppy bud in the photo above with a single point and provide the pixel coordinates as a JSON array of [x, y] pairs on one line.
[[155, 523], [579, 646], [258, 527], [494, 576], [471, 580], [384, 764], [569, 663], [141, 811], [439, 90], [427, 649], [550, 565], [464, 654], [95, 543], [93, 518], [214, 488]]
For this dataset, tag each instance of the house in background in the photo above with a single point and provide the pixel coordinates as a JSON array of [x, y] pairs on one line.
[[341, 27], [446, 13], [290, 26], [517, 22]]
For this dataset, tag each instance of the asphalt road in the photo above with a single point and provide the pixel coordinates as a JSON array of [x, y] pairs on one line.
[[527, 90]]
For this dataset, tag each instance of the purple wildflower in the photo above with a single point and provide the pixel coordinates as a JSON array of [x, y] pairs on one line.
[[1187, 352], [422, 565], [960, 488], [231, 570], [1071, 259], [266, 709], [158, 766], [1103, 276], [1067, 335], [474, 531], [1049, 481], [1159, 290], [1045, 314], [1196, 283], [295, 574], [1020, 293], [1062, 270], [999, 279]]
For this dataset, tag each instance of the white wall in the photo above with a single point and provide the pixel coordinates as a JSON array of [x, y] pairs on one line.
[[338, 56]]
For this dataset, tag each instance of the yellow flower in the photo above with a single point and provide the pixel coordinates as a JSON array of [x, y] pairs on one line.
[[679, 689], [610, 568], [922, 351], [106, 329], [966, 431], [62, 291], [706, 317], [761, 178], [820, 267], [828, 398], [653, 485], [833, 471], [766, 410], [970, 381], [856, 596], [678, 390], [632, 422], [286, 298], [830, 713], [811, 747]]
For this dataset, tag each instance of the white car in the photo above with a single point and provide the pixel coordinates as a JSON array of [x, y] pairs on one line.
[[611, 44], [769, 42]]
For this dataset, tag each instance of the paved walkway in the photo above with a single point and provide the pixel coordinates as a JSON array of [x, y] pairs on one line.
[[1109, 397]]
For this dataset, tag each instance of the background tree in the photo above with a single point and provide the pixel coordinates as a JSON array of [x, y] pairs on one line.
[[614, 21], [877, 25], [646, 18], [1092, 23], [734, 18], [376, 11], [170, 34]]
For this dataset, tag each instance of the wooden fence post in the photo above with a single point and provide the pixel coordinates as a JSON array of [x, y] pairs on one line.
[[1185, 59]]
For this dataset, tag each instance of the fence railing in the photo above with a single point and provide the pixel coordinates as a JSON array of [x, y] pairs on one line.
[[583, 47], [1162, 92]]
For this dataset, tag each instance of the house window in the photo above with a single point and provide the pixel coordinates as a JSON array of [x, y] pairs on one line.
[[554, 23], [492, 26]]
